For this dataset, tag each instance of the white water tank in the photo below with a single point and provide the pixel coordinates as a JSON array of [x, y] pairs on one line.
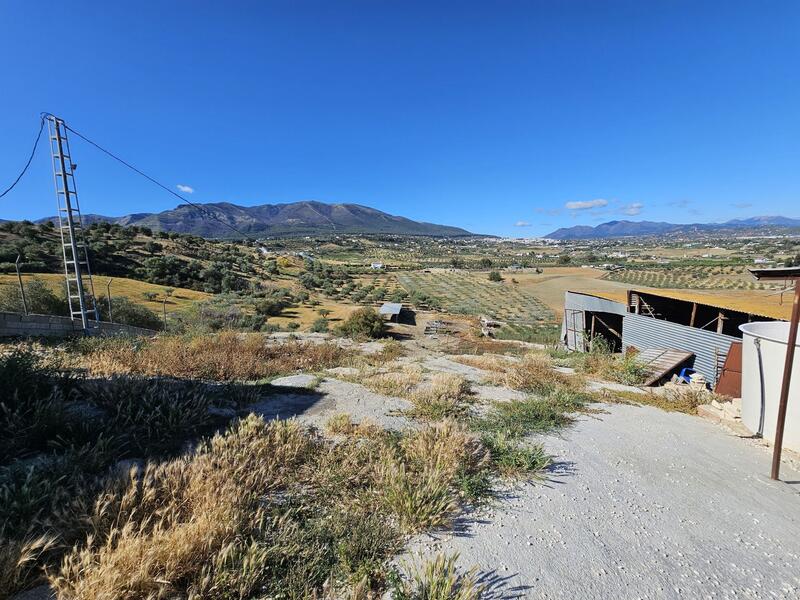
[[763, 357]]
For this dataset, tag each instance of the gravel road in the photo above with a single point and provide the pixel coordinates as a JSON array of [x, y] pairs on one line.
[[640, 504]]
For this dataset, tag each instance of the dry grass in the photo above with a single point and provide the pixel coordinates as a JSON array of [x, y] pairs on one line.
[[169, 529], [393, 383], [486, 362], [447, 446], [222, 357], [267, 510], [180, 300], [533, 372], [683, 399], [440, 579], [446, 395], [342, 424]]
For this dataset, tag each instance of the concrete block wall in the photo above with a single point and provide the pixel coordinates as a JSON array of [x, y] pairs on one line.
[[18, 325]]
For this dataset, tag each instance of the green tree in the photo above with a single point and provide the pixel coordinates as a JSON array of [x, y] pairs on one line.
[[495, 276], [363, 323]]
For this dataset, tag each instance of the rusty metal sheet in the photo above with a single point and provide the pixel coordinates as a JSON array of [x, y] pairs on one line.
[[730, 379]]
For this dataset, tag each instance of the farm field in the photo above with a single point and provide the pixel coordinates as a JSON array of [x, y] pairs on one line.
[[690, 277], [471, 293], [548, 289], [180, 300]]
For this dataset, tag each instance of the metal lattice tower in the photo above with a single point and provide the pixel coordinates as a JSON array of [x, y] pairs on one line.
[[80, 288]]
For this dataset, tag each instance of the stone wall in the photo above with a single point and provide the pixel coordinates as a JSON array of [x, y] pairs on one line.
[[17, 325]]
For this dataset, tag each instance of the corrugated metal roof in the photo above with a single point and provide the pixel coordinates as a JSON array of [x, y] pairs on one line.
[[753, 302], [391, 308]]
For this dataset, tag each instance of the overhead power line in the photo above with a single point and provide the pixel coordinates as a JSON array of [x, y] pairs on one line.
[[158, 183], [27, 164]]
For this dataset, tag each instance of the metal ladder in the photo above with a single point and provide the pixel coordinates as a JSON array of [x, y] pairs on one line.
[[78, 274]]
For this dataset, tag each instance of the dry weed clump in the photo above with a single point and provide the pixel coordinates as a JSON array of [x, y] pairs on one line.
[[446, 395], [393, 383], [163, 532], [440, 579], [533, 372], [680, 399], [222, 357], [342, 424]]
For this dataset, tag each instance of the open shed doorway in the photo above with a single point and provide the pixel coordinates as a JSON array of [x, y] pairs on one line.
[[606, 326]]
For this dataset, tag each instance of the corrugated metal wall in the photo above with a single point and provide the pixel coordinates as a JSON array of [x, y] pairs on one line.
[[642, 332], [574, 323]]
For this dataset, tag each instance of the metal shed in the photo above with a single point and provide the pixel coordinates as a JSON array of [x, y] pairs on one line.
[[579, 308], [391, 310], [709, 347]]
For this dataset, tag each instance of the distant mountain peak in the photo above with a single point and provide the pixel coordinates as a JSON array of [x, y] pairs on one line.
[[306, 217], [616, 229]]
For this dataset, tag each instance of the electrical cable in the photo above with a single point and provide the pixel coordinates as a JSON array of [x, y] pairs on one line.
[[159, 184], [30, 159]]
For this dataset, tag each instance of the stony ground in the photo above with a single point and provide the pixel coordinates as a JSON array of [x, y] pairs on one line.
[[640, 503]]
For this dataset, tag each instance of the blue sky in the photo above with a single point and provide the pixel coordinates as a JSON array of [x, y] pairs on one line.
[[511, 118]]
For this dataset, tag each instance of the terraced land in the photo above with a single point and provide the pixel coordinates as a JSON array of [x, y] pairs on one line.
[[471, 293], [693, 277]]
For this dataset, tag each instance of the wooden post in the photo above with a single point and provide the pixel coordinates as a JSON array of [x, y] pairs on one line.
[[21, 287], [165, 313], [591, 335], [720, 321], [694, 314], [791, 342]]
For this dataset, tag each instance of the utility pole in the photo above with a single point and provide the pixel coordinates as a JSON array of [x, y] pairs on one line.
[[76, 260]]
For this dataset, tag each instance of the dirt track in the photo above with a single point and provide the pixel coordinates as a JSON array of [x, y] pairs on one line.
[[641, 504]]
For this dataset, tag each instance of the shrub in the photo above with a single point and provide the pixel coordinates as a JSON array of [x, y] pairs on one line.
[[320, 325], [363, 323], [39, 297], [495, 276], [124, 310]]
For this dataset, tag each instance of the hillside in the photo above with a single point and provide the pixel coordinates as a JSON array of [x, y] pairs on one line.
[[616, 229], [294, 219]]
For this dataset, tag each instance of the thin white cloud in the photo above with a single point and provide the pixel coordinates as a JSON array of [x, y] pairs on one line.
[[632, 209], [742, 205], [552, 212], [522, 224], [585, 204], [186, 189]]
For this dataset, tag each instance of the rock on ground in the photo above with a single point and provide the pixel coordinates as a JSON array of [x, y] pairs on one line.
[[641, 503]]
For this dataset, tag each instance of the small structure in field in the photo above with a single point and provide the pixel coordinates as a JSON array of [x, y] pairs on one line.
[[377, 266], [391, 311]]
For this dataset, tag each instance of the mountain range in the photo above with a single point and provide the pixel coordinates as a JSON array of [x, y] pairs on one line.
[[616, 229], [297, 218]]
